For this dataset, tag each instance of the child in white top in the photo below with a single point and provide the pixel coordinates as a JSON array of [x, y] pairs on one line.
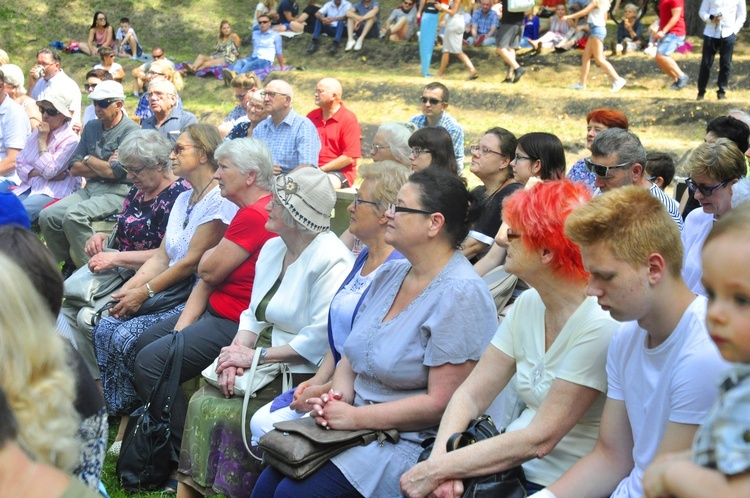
[[127, 41]]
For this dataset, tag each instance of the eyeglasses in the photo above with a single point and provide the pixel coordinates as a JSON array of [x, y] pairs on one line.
[[158, 95], [49, 111], [256, 107], [263, 22], [242, 95], [45, 66], [512, 235], [271, 95], [600, 170], [177, 149], [403, 209], [358, 201], [419, 152], [103, 104], [705, 191], [431, 101], [134, 172], [483, 151], [101, 18], [90, 86], [518, 157], [651, 178], [154, 73], [157, 57], [377, 148]]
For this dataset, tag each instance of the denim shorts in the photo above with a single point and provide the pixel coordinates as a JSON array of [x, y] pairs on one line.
[[598, 32], [669, 44]]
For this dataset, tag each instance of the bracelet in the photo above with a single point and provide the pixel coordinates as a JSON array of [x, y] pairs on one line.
[[43, 151]]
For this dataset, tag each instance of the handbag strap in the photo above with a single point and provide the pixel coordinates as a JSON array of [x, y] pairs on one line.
[[286, 375], [173, 365]]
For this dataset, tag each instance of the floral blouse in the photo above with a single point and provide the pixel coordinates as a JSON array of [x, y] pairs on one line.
[[142, 224]]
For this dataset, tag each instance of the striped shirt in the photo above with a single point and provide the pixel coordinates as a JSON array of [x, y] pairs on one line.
[[60, 149], [673, 207]]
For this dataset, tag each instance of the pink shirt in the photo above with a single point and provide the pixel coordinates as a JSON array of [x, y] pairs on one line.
[[60, 149]]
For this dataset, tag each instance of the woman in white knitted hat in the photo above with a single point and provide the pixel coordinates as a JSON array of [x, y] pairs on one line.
[[297, 274]]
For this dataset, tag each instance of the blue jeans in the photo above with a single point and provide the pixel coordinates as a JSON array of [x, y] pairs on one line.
[[669, 44], [335, 31], [34, 204], [326, 482], [249, 64]]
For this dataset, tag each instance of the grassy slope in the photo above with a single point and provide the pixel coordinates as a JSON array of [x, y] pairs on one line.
[[381, 83]]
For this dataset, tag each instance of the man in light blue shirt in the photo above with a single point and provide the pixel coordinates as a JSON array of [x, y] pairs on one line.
[[434, 103], [292, 138], [266, 47], [331, 20]]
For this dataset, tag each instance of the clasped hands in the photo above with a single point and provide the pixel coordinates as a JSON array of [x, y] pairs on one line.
[[332, 412], [232, 362]]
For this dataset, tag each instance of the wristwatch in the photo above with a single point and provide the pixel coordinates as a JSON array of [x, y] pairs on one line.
[[262, 354], [86, 159], [150, 292]]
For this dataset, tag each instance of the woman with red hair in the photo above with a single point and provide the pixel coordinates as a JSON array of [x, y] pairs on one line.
[[597, 121], [554, 339]]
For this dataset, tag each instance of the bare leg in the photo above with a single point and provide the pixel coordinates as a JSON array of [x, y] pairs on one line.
[[467, 62], [586, 61], [185, 491], [83, 47], [443, 64], [121, 429], [350, 29], [368, 27], [601, 61], [669, 66], [509, 56], [139, 79], [297, 26]]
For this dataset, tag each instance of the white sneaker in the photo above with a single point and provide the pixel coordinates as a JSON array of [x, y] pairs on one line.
[[349, 45], [358, 45], [618, 84], [115, 448], [577, 86]]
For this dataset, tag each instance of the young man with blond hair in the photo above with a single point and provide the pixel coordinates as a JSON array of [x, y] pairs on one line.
[[662, 367]]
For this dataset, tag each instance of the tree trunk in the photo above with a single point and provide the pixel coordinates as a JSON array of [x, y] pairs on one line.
[[693, 22]]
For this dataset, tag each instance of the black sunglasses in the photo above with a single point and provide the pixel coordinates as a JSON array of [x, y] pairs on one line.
[[705, 191], [90, 86], [103, 104], [431, 101], [49, 111]]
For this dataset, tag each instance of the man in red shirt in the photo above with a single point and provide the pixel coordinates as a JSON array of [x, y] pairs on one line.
[[670, 36], [339, 134]]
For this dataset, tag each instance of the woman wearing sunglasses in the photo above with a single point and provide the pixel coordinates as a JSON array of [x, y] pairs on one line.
[[101, 34], [42, 165], [714, 168], [197, 222]]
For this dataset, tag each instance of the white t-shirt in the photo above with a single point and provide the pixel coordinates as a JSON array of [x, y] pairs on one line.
[[259, 11], [116, 66], [330, 10], [598, 16], [14, 129], [697, 226], [577, 355], [676, 381], [119, 36]]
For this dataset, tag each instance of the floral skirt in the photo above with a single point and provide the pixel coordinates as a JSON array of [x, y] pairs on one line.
[[114, 340]]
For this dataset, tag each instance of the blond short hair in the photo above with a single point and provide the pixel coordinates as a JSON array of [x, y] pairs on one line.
[[632, 223], [721, 161], [387, 177]]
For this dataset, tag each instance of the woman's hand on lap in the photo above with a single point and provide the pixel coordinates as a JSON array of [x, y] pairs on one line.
[[102, 261], [129, 302], [95, 244], [236, 355]]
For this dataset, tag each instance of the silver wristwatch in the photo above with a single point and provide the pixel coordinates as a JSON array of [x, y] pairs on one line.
[[150, 292], [262, 354], [86, 159]]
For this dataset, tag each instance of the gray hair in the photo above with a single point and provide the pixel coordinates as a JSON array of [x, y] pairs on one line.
[[163, 85], [624, 144], [145, 149], [741, 115], [631, 6], [397, 136], [249, 154]]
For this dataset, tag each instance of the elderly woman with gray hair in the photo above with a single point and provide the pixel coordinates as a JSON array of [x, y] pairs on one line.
[[297, 275], [139, 229], [209, 320], [168, 118], [256, 112], [391, 143]]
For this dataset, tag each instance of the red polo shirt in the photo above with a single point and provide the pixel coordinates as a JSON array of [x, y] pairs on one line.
[[339, 136]]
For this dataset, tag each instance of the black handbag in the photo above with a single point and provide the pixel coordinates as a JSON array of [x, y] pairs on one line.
[[169, 298], [146, 453], [506, 484]]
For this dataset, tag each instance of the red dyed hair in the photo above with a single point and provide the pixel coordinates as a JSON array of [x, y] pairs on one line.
[[539, 213], [610, 118]]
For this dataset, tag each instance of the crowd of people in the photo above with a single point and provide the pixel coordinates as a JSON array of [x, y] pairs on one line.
[[607, 355]]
